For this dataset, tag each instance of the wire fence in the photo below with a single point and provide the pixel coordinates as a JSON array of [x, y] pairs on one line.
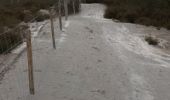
[[23, 34], [11, 38]]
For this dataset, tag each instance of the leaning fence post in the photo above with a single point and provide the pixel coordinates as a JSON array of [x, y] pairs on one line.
[[79, 4], [59, 10], [30, 62], [52, 28], [66, 9], [73, 4]]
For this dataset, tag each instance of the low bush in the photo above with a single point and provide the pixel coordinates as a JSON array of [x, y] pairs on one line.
[[146, 12], [151, 40]]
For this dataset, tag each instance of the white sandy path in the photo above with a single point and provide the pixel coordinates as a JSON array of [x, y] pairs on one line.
[[95, 59]]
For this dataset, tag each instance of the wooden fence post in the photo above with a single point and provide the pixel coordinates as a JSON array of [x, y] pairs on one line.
[[52, 28], [79, 1], [60, 15], [66, 9], [73, 4], [30, 62]]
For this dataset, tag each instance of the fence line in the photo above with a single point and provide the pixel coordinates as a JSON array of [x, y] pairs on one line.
[[7, 37], [17, 27], [12, 38]]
